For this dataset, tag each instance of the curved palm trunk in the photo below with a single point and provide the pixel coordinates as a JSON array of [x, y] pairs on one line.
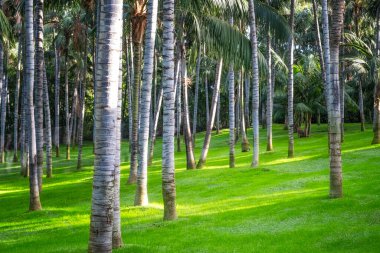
[[335, 118], [39, 83], [269, 95], [214, 104], [290, 84], [255, 88], [141, 197], [17, 99], [106, 115], [34, 203], [196, 95], [186, 117], [168, 170], [48, 137], [56, 98], [231, 110], [154, 133]]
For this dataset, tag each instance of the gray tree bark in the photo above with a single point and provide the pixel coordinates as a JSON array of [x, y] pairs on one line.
[[291, 83]]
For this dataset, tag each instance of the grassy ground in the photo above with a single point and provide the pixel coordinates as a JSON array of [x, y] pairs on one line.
[[280, 207]]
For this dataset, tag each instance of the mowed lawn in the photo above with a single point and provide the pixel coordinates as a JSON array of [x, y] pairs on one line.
[[282, 206]]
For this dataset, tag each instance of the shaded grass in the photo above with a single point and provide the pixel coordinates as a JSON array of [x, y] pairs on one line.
[[282, 206]]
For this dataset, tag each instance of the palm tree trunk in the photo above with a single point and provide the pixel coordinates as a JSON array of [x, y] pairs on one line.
[[335, 119], [34, 203], [56, 98], [168, 171], [231, 112], [244, 139], [154, 133], [186, 117], [48, 141], [361, 108], [207, 101], [196, 95], [23, 119], [67, 113], [255, 88], [4, 97], [269, 95], [290, 83], [214, 104], [179, 108], [141, 197], [246, 100], [319, 42], [237, 110], [106, 126], [376, 94], [218, 116], [17, 99], [130, 90]]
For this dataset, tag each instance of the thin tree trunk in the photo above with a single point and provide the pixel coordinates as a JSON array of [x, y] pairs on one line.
[[17, 99], [218, 116], [361, 108], [207, 101], [214, 103], [141, 197], [23, 120], [246, 100], [376, 94], [48, 140], [34, 203], [334, 126], [179, 107], [319, 42], [244, 139], [196, 95], [67, 114], [154, 134], [255, 88], [168, 171], [186, 117], [4, 96], [56, 98], [106, 126], [231, 110], [269, 114], [130, 90], [290, 83]]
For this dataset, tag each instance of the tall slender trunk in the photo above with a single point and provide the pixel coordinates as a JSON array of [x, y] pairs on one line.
[[231, 110], [67, 113], [179, 106], [319, 41], [186, 117], [255, 88], [247, 89], [106, 125], [290, 83], [74, 104], [56, 98], [48, 137], [168, 171], [196, 95], [361, 107], [207, 102], [269, 94], [156, 118], [335, 118], [237, 110], [4, 97], [244, 139], [130, 90], [141, 197], [210, 123], [17, 99], [23, 119], [218, 116], [376, 94], [82, 104], [34, 203]]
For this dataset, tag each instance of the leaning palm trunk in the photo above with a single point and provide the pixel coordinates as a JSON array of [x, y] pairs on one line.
[[106, 112], [168, 171], [197, 74], [291, 83], [210, 123], [186, 117], [231, 110], [154, 133], [269, 95], [48, 137], [255, 88], [34, 203], [17, 98], [333, 92], [141, 197], [39, 82]]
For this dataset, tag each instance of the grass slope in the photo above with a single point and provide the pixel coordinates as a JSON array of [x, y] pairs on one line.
[[280, 207]]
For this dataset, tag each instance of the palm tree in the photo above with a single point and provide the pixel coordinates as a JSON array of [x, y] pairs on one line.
[[34, 203], [168, 170], [290, 83], [255, 88], [141, 197], [376, 95], [231, 109], [197, 80], [4, 98], [106, 113], [269, 115], [57, 96], [210, 123], [48, 137]]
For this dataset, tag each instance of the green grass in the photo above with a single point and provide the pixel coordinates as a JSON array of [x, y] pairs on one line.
[[282, 206]]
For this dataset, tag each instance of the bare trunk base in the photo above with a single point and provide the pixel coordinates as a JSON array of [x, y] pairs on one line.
[[67, 152], [245, 145], [232, 160]]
